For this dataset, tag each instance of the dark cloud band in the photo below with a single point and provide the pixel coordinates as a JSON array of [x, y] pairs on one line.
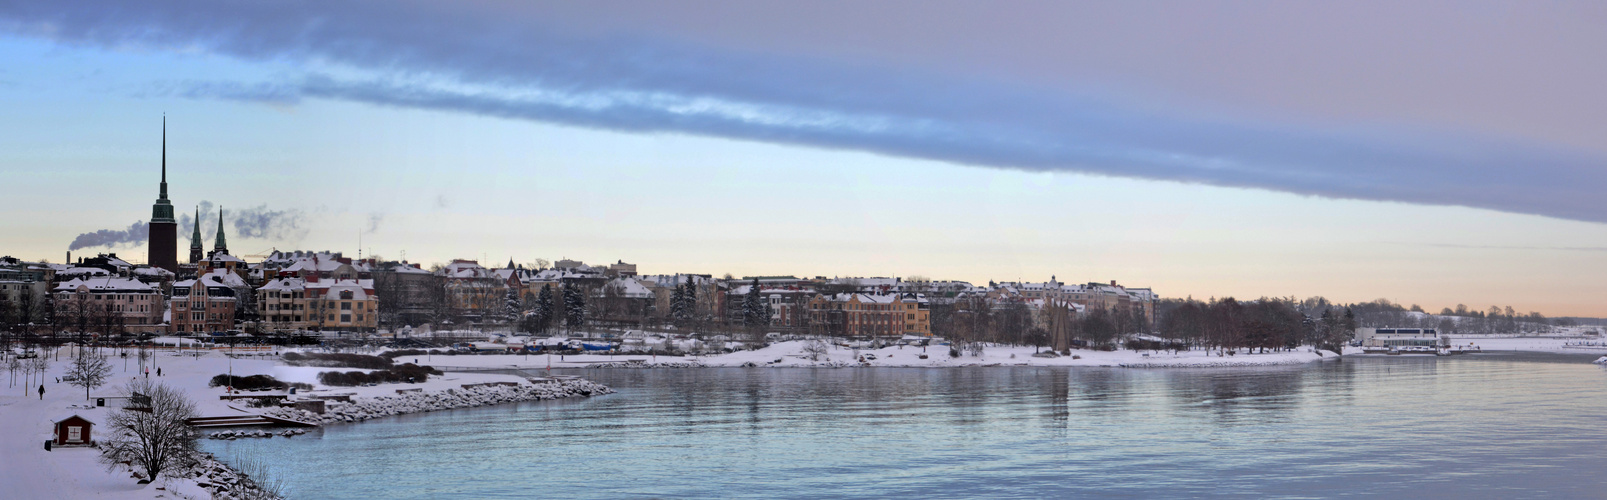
[[478, 60]]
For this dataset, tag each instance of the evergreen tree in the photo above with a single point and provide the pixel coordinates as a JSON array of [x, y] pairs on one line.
[[750, 304], [678, 302], [541, 316], [755, 310], [574, 307], [511, 307], [691, 296]]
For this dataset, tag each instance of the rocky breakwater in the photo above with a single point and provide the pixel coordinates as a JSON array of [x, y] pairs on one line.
[[360, 409], [226, 483]]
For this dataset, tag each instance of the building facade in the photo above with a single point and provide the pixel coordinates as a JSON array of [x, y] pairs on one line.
[[109, 306]]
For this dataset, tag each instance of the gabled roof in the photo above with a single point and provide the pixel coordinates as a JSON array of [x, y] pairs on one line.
[[91, 422]]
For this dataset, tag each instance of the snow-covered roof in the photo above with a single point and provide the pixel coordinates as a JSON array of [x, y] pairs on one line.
[[284, 285], [105, 285], [465, 269], [223, 257], [864, 298], [74, 271], [631, 288], [406, 268], [360, 288], [670, 280], [153, 271]]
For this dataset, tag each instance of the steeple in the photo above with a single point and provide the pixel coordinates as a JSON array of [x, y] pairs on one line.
[[221, 245], [195, 239], [162, 211], [164, 158], [161, 244]]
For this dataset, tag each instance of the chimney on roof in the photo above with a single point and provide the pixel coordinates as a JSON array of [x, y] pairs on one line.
[[1112, 282]]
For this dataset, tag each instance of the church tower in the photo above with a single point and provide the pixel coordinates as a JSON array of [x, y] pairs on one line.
[[162, 244], [195, 240], [221, 247]]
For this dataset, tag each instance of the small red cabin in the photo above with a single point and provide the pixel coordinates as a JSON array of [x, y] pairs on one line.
[[74, 431]]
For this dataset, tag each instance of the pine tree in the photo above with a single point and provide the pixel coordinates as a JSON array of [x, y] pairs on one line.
[[511, 307], [678, 302], [753, 307], [691, 297], [574, 307], [541, 315]]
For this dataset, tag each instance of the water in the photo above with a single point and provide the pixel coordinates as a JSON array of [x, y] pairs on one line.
[[1480, 426]]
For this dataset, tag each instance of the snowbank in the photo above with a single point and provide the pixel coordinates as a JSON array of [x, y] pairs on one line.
[[792, 354]]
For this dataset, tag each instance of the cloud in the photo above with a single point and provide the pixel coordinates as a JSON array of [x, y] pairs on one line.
[[259, 222], [480, 59], [136, 234], [374, 219]]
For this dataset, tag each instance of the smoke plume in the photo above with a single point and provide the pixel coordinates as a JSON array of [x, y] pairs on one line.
[[136, 234]]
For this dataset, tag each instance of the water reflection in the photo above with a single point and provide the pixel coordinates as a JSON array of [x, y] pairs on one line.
[[1507, 426]]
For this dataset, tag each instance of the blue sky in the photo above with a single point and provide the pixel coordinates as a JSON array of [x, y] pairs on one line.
[[944, 143]]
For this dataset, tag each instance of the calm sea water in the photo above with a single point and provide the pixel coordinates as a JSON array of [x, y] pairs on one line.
[[1484, 426]]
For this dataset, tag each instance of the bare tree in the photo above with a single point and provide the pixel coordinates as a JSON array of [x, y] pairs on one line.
[[88, 370], [39, 366], [13, 365], [816, 349], [151, 433]]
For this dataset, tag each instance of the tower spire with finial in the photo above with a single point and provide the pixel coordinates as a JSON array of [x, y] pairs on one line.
[[164, 156], [162, 211], [221, 245]]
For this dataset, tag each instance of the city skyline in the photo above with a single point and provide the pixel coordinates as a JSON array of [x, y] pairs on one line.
[[320, 166]]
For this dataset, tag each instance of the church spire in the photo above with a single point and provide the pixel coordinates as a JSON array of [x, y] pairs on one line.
[[195, 239], [164, 158], [162, 210], [221, 245]]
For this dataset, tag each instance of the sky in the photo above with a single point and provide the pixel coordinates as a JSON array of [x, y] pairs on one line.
[[1429, 153]]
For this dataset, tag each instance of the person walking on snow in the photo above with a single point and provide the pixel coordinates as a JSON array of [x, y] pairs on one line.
[[41, 392]]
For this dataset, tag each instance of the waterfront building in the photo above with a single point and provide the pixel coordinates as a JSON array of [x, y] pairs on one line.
[[410, 293], [1399, 337], [206, 303], [870, 315], [474, 294], [109, 305], [291, 304]]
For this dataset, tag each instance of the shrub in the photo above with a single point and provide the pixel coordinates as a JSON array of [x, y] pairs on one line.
[[337, 360], [255, 382], [398, 374]]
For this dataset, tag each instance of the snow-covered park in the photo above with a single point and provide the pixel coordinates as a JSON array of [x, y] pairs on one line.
[[31, 472]]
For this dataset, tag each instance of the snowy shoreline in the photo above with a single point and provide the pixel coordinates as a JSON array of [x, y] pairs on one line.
[[76, 472], [795, 354], [360, 409]]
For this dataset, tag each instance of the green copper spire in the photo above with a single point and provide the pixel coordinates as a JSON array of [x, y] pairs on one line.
[[220, 246], [195, 239], [162, 211]]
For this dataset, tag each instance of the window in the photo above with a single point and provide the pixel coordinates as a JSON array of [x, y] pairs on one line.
[[345, 318], [345, 306]]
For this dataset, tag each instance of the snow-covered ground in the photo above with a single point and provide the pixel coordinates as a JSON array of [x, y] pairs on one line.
[[792, 354], [28, 471], [1534, 344]]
